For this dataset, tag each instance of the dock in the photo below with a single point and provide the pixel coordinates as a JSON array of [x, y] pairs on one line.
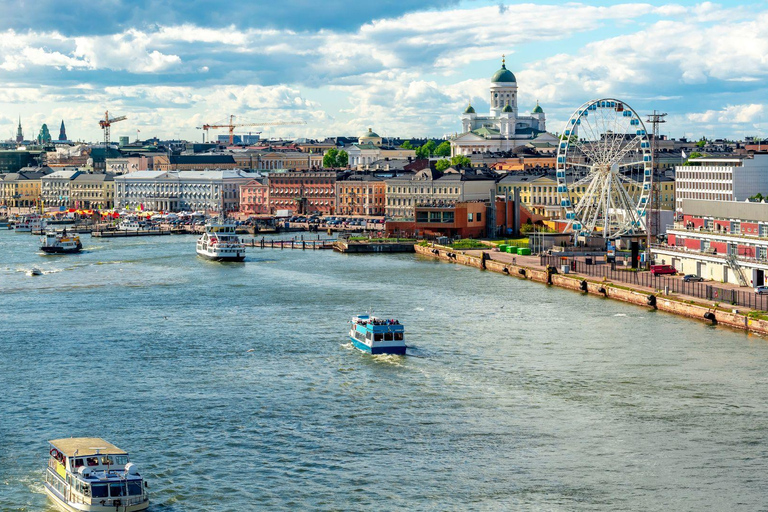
[[310, 245], [123, 234]]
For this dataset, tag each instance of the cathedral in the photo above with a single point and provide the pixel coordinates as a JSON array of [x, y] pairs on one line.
[[502, 129]]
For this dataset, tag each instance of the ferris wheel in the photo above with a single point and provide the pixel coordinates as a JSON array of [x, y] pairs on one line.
[[604, 170]]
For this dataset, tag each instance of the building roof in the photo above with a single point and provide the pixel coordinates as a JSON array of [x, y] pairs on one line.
[[537, 109], [484, 131], [201, 159], [370, 134], [503, 74], [367, 145], [470, 109], [72, 446], [66, 174], [95, 177], [507, 108]]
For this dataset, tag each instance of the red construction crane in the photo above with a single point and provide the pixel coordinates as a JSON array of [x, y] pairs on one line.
[[231, 126], [106, 123]]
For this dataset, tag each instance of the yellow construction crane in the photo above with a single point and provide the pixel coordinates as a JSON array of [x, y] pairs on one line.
[[231, 126], [106, 123]]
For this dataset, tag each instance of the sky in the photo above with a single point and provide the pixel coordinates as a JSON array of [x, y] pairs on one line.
[[405, 69]]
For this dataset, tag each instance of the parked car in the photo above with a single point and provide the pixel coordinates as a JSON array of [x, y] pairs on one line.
[[761, 290], [692, 278], [657, 270]]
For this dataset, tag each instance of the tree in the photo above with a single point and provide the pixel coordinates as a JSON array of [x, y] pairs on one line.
[[335, 158], [444, 149], [427, 150], [757, 197], [702, 142], [406, 145], [456, 161]]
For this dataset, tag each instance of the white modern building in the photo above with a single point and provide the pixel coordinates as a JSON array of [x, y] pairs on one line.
[[732, 178], [181, 190], [503, 128]]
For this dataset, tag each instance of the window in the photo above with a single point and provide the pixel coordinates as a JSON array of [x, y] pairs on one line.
[[79, 463], [378, 336], [398, 336], [388, 336], [479, 217], [134, 488], [92, 461], [469, 217], [116, 489], [98, 491]]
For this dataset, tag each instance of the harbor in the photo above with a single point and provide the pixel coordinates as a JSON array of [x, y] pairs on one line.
[[582, 400]]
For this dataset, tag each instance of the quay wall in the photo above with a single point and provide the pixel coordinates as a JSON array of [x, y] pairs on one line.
[[607, 290]]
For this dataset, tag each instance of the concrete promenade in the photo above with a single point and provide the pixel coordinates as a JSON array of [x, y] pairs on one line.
[[528, 267]]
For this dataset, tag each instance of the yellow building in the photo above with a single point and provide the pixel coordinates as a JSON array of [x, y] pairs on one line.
[[21, 189], [93, 191]]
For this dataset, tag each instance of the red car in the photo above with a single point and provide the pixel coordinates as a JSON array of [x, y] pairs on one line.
[[657, 270]]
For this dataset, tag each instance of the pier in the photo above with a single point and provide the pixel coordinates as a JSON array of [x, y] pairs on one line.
[[311, 245], [123, 234]]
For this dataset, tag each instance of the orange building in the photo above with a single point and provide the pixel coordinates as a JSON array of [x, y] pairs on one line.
[[303, 191], [254, 198], [361, 195], [524, 163]]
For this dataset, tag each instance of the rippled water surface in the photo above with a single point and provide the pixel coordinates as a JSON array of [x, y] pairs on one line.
[[233, 387]]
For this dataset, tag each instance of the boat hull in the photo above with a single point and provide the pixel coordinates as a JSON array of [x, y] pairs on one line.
[[393, 350], [80, 507], [214, 257], [60, 250]]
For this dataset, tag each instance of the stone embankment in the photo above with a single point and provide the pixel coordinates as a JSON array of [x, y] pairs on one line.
[[712, 314]]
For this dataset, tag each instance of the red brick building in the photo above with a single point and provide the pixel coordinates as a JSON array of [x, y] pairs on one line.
[[303, 192], [254, 197]]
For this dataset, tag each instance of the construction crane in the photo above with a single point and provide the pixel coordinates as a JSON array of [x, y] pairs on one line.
[[106, 123], [231, 126]]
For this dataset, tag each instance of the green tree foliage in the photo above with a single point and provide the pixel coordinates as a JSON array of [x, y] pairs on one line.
[[456, 161], [702, 142], [335, 158], [444, 149], [757, 197], [427, 150], [407, 145]]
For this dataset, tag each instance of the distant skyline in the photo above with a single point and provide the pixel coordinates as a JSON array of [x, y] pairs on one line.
[[403, 69]]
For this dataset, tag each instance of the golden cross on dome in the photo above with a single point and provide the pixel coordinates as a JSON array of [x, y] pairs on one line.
[[503, 59]]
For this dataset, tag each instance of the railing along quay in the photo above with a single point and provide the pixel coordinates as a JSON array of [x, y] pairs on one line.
[[702, 290], [290, 244]]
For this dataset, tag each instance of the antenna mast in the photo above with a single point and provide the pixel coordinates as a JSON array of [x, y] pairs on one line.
[[653, 222]]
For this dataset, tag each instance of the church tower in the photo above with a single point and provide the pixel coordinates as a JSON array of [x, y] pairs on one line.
[[62, 132], [19, 133], [503, 91]]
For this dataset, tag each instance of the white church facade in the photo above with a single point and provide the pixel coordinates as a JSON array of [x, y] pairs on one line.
[[503, 128]]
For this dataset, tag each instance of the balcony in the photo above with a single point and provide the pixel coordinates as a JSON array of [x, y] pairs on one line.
[[680, 226]]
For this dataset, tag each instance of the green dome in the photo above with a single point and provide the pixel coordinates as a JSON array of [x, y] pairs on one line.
[[369, 135], [503, 75], [508, 108], [537, 109], [469, 110]]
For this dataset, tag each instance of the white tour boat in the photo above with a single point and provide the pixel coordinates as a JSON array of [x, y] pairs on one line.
[[29, 223], [377, 336], [220, 243], [90, 474], [60, 242], [131, 224]]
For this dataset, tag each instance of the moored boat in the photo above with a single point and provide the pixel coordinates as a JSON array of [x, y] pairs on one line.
[[90, 474], [29, 223], [377, 336], [219, 242], [54, 242]]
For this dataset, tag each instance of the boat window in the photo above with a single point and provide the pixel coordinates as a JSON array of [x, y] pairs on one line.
[[134, 488], [107, 460], [399, 336], [116, 489], [92, 461], [78, 463], [86, 490], [99, 491], [389, 336], [121, 460], [378, 336], [368, 335]]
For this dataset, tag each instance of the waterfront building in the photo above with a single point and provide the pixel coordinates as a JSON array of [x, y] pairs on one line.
[[69, 156], [361, 194], [56, 188], [726, 241], [503, 128], [22, 189], [194, 162], [726, 178], [254, 197], [303, 191], [93, 191], [405, 191], [171, 191]]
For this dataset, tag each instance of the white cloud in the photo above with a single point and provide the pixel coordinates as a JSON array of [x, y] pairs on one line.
[[731, 114]]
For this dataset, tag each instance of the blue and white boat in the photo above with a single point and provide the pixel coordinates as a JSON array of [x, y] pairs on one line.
[[377, 335]]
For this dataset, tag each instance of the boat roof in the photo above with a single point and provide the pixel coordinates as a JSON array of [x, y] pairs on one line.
[[85, 446]]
